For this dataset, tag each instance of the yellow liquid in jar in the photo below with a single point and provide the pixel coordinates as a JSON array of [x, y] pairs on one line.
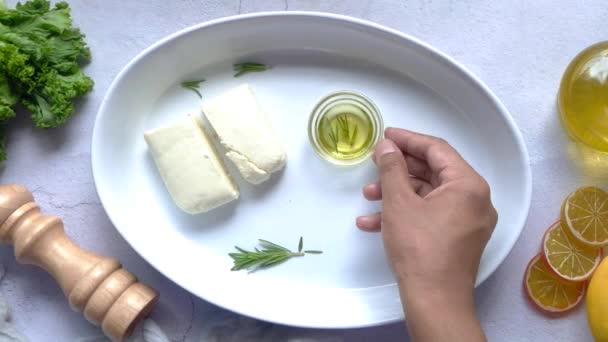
[[345, 132], [583, 97]]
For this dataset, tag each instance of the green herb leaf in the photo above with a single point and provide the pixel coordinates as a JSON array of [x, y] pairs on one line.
[[194, 85], [273, 246], [336, 134], [270, 254], [341, 129], [330, 133], [241, 69], [353, 136], [312, 251], [190, 84], [343, 124]]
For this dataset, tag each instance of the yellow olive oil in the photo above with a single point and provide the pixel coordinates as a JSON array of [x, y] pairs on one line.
[[583, 97], [343, 128], [345, 132]]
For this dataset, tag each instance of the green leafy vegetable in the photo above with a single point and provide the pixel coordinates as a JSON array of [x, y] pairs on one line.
[[2, 142], [270, 255], [40, 63], [241, 69], [193, 85]]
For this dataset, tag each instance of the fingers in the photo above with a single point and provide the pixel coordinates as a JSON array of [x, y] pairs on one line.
[[393, 171], [369, 223], [421, 187], [373, 191], [418, 168], [442, 159]]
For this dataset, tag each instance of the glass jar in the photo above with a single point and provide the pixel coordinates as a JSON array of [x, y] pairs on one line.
[[344, 127], [583, 97]]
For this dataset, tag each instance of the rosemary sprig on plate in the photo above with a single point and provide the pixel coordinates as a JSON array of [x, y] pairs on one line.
[[241, 69], [271, 254], [193, 85]]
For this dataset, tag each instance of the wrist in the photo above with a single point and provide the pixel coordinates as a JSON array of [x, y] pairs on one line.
[[449, 301], [451, 306], [449, 292]]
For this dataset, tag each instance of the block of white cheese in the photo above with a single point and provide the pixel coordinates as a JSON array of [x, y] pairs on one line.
[[193, 173], [246, 134]]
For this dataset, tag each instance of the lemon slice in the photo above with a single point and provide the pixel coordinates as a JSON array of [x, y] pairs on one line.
[[585, 214], [547, 291], [597, 303], [568, 258]]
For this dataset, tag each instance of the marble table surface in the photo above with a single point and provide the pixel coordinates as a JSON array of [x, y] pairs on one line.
[[519, 48]]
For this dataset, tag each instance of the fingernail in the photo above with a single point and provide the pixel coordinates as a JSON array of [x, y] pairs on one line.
[[385, 146], [360, 223]]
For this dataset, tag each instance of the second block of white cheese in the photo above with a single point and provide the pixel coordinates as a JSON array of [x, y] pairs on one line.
[[246, 133]]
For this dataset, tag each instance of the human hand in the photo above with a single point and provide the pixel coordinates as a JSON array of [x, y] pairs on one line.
[[436, 219]]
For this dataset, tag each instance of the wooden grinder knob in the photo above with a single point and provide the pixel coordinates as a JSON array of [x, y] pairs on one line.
[[98, 286]]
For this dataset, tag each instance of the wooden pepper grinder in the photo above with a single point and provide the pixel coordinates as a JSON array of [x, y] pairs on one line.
[[98, 286]]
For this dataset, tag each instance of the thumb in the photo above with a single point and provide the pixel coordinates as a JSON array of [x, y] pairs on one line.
[[394, 175]]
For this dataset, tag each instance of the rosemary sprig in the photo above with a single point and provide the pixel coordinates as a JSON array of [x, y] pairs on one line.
[[271, 254], [193, 85], [331, 133], [343, 124], [353, 136], [343, 129], [241, 69]]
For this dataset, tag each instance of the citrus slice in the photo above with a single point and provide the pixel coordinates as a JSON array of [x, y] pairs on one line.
[[547, 291], [585, 214], [597, 303], [568, 258]]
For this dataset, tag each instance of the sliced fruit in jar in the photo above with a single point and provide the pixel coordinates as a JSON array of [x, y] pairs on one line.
[[547, 291], [567, 257], [585, 214]]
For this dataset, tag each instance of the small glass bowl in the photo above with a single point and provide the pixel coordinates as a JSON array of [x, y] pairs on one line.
[[345, 97]]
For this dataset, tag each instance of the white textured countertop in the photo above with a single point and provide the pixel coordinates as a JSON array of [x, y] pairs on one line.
[[519, 48]]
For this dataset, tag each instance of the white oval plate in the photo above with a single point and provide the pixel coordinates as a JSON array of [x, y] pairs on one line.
[[311, 54]]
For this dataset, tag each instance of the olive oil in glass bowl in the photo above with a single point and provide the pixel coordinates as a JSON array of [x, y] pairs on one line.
[[344, 128], [583, 97]]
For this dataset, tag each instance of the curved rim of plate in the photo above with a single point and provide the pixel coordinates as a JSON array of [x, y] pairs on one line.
[[404, 38]]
